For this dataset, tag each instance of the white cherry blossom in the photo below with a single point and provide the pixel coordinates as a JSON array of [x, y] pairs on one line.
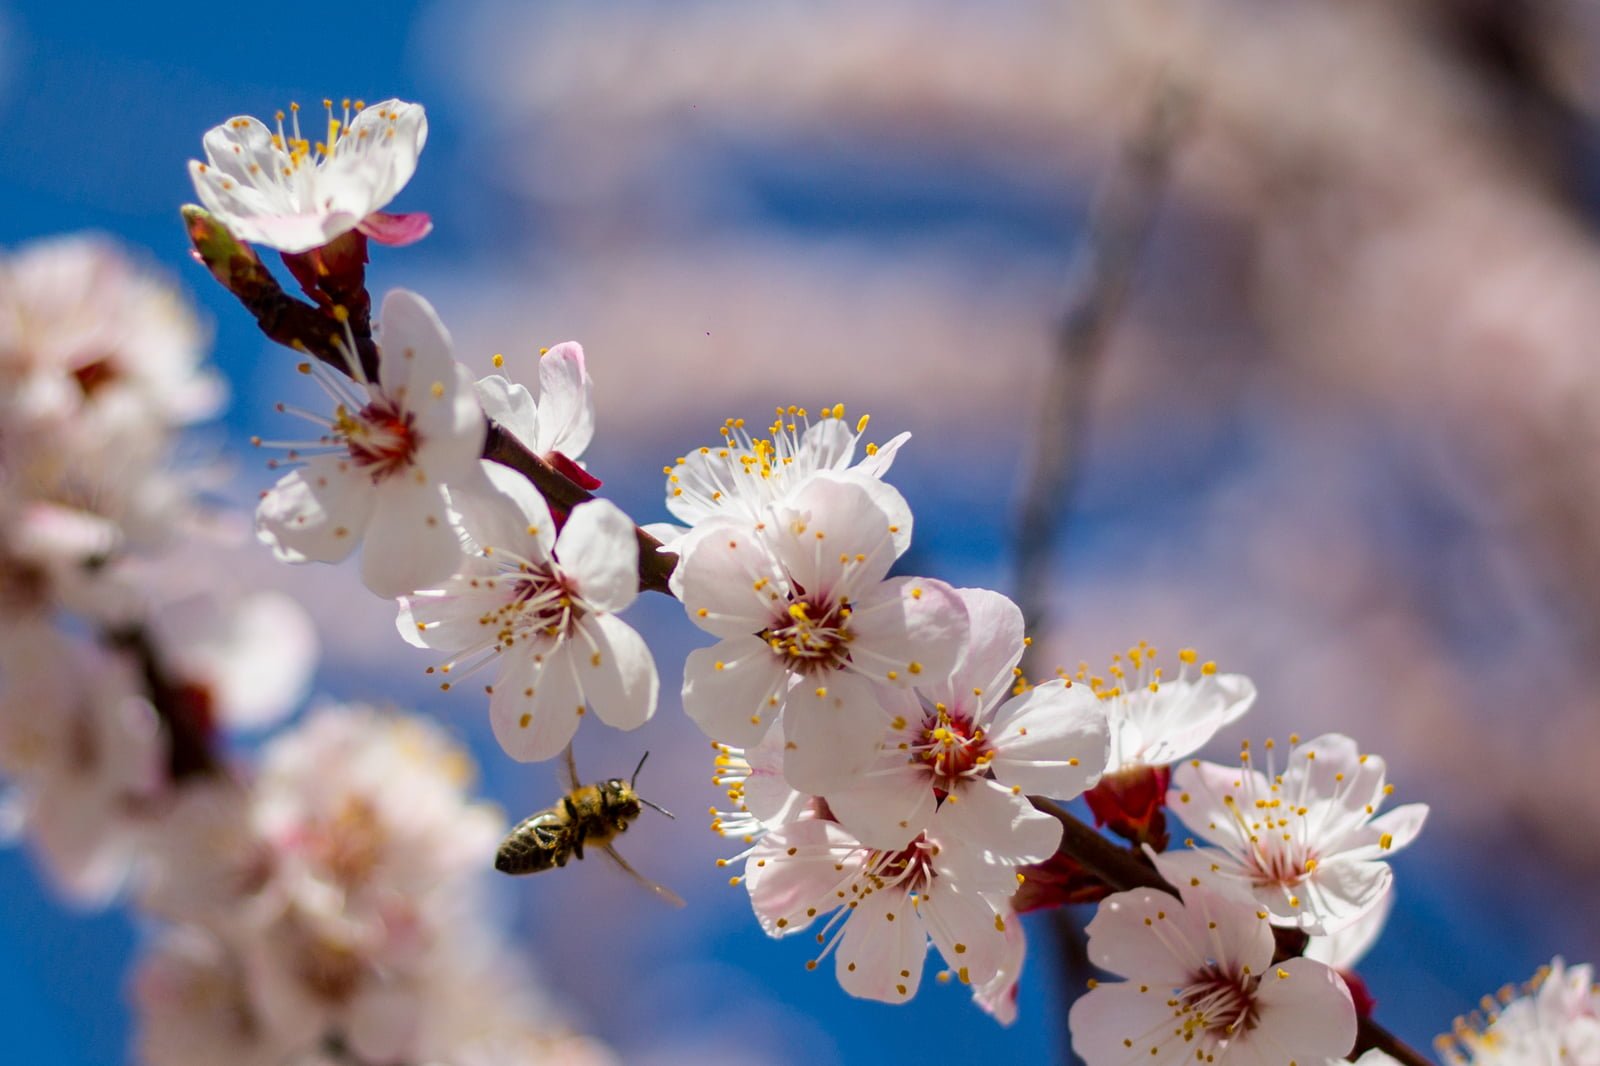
[[966, 752], [554, 412], [194, 1007], [744, 474], [541, 606], [1200, 985], [1306, 844], [886, 904], [378, 475], [810, 627], [294, 193], [1156, 720], [1554, 1022]]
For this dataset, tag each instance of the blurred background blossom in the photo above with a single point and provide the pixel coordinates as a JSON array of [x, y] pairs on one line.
[[1343, 440]]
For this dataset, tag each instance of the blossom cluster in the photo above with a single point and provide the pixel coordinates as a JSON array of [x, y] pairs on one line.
[[895, 777]]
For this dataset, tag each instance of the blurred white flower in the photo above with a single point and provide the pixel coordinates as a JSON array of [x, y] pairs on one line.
[[294, 194], [1305, 844], [194, 1007], [82, 754], [1200, 985], [960, 753], [543, 605], [379, 472], [1554, 1022], [811, 628]]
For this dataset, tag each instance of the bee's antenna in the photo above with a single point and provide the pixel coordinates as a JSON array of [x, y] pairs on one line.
[[653, 807], [635, 779]]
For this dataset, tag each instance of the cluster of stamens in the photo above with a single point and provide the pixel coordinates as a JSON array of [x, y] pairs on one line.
[[816, 637], [951, 746], [742, 456]]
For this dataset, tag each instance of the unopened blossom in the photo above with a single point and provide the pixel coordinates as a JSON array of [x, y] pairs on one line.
[[1554, 1021], [542, 607], [292, 192], [1305, 843], [1199, 985], [811, 627], [885, 905], [743, 474], [967, 751], [554, 412], [377, 476]]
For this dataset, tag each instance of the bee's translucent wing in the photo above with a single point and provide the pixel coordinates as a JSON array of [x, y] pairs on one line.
[[655, 886], [569, 769]]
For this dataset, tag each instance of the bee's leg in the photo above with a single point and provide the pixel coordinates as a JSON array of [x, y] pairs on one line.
[[578, 833], [620, 824]]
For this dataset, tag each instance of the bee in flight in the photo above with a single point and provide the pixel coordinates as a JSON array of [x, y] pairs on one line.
[[587, 814]]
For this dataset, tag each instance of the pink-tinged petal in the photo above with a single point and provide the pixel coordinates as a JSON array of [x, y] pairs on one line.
[[414, 348], [963, 928], [410, 543], [450, 426], [1003, 825], [881, 953], [834, 726], [397, 231], [566, 401], [1128, 1021], [795, 871], [1228, 929], [994, 647], [908, 631], [536, 705], [734, 691], [1212, 870], [1332, 765], [1386, 834], [502, 511], [839, 533], [599, 551], [1050, 741], [619, 676], [383, 1023], [998, 995], [512, 407], [1305, 1009], [319, 513], [1342, 950], [457, 616], [728, 584], [1124, 938], [888, 805]]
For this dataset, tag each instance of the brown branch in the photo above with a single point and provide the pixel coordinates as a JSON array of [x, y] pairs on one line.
[[313, 330]]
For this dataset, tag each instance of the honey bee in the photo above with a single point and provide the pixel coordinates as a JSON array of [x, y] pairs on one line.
[[587, 814]]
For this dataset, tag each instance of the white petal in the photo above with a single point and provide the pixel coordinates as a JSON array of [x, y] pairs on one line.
[[729, 585], [1125, 939], [599, 550], [1342, 950], [1183, 715], [1339, 894], [1400, 826], [881, 952], [793, 874], [380, 149], [993, 648], [410, 543], [878, 463], [536, 706], [512, 407], [1305, 1009], [1008, 829], [911, 627], [734, 690], [1113, 1025], [414, 348], [1051, 741], [566, 401], [963, 928], [839, 533], [888, 805], [505, 512], [619, 677], [449, 425], [317, 513], [833, 725]]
